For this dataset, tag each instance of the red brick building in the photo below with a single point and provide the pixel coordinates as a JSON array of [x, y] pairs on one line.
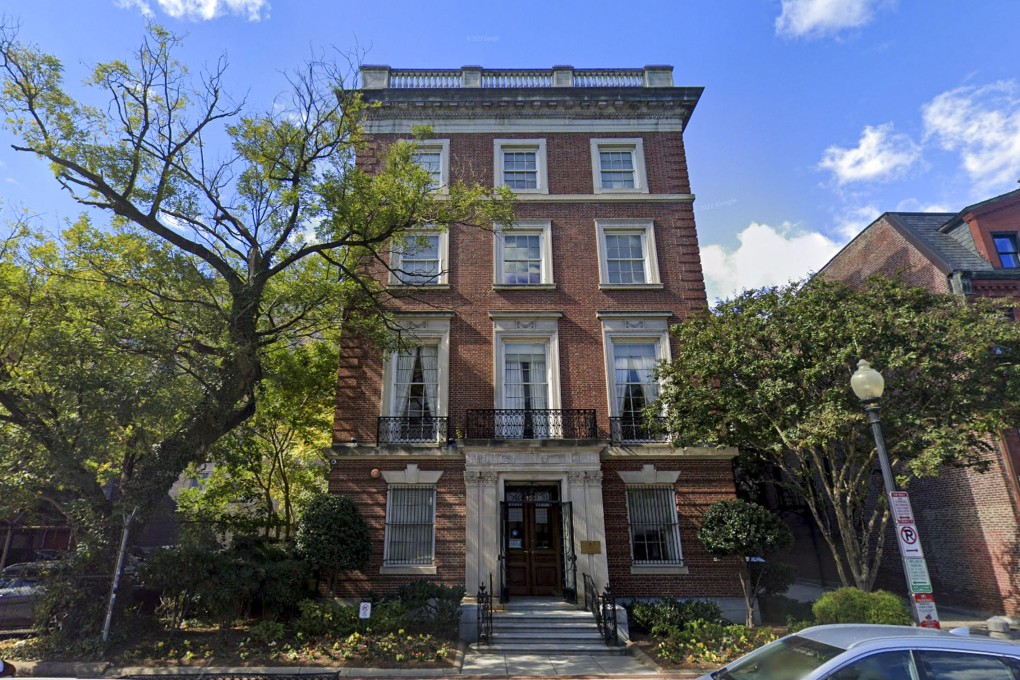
[[506, 439], [970, 521]]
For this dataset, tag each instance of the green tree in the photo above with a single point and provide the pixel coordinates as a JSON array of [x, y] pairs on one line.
[[333, 536], [769, 372], [225, 253], [266, 468], [736, 528]]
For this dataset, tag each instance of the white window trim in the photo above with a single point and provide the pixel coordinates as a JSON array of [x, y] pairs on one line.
[[631, 327], [644, 227], [409, 569], [443, 146], [636, 146], [443, 280], [424, 330], [542, 227], [536, 327], [649, 476], [536, 145]]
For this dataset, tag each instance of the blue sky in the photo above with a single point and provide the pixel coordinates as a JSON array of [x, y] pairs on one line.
[[817, 116]]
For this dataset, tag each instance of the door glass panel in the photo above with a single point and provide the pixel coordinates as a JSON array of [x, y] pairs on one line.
[[962, 666], [885, 666]]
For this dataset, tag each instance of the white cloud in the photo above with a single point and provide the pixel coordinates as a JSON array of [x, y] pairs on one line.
[[880, 154], [817, 18], [201, 10], [766, 256], [852, 221], [982, 124]]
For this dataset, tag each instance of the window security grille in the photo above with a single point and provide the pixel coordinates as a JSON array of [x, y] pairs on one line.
[[410, 525], [654, 534]]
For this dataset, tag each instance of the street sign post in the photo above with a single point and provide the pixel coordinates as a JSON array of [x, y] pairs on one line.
[[914, 565]]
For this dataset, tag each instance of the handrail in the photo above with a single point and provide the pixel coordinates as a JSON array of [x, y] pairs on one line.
[[511, 423], [412, 429], [603, 608], [638, 430], [484, 611]]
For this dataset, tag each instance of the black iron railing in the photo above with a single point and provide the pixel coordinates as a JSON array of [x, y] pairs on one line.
[[412, 430], [509, 423], [603, 608], [504, 585], [631, 430], [484, 600]]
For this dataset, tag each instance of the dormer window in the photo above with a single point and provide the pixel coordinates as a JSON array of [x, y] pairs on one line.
[[1007, 249]]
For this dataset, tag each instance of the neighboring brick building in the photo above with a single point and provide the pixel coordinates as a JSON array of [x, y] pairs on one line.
[[506, 441], [970, 521]]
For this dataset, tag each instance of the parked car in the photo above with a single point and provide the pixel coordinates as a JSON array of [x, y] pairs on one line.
[[20, 588], [874, 652]]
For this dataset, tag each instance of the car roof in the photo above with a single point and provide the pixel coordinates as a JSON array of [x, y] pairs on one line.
[[849, 636]]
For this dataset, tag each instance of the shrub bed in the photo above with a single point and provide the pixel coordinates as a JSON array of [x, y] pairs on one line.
[[702, 643], [851, 605]]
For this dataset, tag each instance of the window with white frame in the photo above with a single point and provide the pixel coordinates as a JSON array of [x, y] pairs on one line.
[[526, 375], [410, 525], [627, 254], [618, 165], [521, 164], [634, 344], [433, 156], [637, 388], [416, 383], [421, 260], [654, 529], [524, 254]]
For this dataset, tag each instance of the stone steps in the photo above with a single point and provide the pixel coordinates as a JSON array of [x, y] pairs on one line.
[[545, 627]]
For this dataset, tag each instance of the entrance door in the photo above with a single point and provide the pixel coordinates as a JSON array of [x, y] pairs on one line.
[[532, 535]]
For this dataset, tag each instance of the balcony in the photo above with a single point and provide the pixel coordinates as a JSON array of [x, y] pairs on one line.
[[412, 430], [531, 424], [630, 430]]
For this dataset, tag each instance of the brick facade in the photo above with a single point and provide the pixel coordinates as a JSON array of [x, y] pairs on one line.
[[468, 527], [969, 521]]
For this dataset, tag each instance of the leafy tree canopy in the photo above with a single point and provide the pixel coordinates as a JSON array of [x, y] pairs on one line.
[[769, 372]]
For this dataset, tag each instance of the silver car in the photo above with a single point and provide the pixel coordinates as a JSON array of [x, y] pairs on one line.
[[21, 585], [872, 652]]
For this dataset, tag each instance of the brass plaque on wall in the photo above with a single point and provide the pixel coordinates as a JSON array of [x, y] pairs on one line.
[[591, 547]]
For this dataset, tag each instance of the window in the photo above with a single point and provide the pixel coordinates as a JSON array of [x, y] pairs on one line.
[[416, 382], [895, 665], [520, 164], [526, 381], [618, 165], [410, 525], [634, 344], [524, 255], [1007, 249], [965, 666], [636, 387], [434, 157], [526, 376], [627, 254], [421, 261], [654, 532]]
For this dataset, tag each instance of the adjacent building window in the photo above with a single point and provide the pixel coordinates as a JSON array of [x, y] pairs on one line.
[[627, 253], [524, 254], [1007, 249], [521, 164], [434, 157], [421, 261], [618, 165], [410, 525], [654, 530]]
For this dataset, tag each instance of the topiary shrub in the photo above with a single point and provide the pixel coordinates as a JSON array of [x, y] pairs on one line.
[[852, 605], [735, 528], [333, 536]]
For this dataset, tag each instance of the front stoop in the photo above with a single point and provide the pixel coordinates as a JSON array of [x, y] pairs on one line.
[[531, 626]]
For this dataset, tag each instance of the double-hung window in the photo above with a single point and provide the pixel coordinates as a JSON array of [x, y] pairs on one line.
[[416, 381], [1007, 249], [627, 256], [635, 343], [654, 530], [421, 259], [521, 165], [410, 525], [636, 386], [433, 156], [618, 165], [524, 255]]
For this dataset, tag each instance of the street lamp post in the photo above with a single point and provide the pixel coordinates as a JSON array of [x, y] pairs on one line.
[[868, 384]]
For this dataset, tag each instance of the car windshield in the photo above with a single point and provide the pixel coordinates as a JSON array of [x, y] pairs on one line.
[[788, 659]]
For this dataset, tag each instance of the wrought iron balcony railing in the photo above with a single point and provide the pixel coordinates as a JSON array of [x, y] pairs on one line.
[[412, 430], [631, 430], [531, 424]]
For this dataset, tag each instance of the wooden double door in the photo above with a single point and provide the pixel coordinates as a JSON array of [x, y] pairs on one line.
[[533, 534]]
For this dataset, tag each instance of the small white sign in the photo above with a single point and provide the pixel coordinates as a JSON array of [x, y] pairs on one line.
[[910, 540], [365, 611], [917, 574], [927, 615], [902, 513]]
